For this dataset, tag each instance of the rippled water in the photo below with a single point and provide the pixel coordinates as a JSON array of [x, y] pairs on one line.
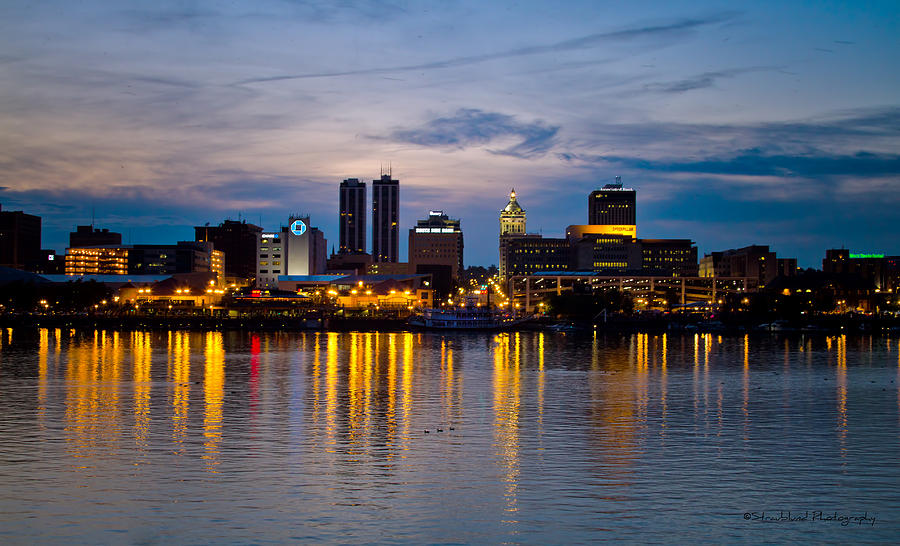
[[112, 437]]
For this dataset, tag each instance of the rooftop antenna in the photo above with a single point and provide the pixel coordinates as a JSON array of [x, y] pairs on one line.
[[618, 180], [92, 218], [390, 170]]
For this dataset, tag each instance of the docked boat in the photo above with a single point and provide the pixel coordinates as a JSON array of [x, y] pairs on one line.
[[464, 318]]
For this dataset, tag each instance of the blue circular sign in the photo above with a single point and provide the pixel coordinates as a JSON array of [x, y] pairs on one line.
[[298, 227]]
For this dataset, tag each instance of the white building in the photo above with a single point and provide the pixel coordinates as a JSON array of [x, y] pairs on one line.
[[297, 249]]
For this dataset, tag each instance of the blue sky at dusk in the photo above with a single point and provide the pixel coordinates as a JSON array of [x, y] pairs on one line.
[[771, 123]]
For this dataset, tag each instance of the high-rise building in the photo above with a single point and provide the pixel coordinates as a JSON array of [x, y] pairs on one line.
[[90, 236], [436, 248], [238, 240], [512, 224], [352, 217], [612, 205], [298, 249], [385, 219], [20, 239]]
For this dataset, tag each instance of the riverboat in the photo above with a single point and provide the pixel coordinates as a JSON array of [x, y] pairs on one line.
[[463, 318]]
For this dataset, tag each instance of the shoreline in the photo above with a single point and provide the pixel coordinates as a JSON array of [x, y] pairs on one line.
[[828, 325]]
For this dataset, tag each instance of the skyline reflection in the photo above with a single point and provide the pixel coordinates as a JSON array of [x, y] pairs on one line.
[[357, 397], [504, 429]]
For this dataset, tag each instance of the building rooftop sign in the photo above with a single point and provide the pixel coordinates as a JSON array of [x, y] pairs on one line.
[[867, 255], [435, 230]]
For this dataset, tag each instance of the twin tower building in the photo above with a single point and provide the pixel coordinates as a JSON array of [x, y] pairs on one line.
[[300, 249], [385, 218]]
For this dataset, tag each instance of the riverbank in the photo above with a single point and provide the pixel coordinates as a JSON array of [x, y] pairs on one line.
[[825, 325]]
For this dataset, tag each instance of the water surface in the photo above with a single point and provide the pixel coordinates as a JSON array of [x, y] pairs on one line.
[[149, 437]]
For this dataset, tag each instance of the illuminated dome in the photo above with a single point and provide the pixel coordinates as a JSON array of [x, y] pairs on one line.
[[513, 206]]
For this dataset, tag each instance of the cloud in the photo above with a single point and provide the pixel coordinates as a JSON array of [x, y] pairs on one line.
[[473, 127], [757, 163], [701, 81], [668, 30], [842, 134]]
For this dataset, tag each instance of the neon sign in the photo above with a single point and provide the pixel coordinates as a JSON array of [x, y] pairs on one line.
[[298, 227], [867, 255]]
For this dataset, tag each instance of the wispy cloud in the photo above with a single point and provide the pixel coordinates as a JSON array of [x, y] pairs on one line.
[[473, 127], [701, 81], [669, 30]]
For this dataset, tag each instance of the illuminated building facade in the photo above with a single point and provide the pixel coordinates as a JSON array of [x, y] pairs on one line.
[[20, 239], [436, 248], [512, 225], [270, 263], [604, 254], [386, 219], [581, 231], [612, 205], [238, 240], [298, 249], [601, 255], [97, 261], [352, 217], [183, 257]]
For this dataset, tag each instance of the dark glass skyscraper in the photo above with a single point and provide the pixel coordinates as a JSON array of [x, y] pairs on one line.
[[385, 219], [352, 217], [612, 205]]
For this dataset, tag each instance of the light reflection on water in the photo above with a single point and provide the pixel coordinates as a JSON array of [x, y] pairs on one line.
[[516, 437]]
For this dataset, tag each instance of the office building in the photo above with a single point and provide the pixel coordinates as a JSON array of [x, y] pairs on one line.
[[239, 241], [755, 261], [436, 248], [345, 264], [604, 254], [89, 236], [111, 260], [352, 219], [20, 239], [883, 272], [183, 257], [598, 254], [668, 257], [297, 249], [385, 219], [512, 224], [531, 253], [612, 205]]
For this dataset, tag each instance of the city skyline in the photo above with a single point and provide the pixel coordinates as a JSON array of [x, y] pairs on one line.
[[773, 125]]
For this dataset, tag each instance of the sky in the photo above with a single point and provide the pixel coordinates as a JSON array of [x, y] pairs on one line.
[[773, 123]]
